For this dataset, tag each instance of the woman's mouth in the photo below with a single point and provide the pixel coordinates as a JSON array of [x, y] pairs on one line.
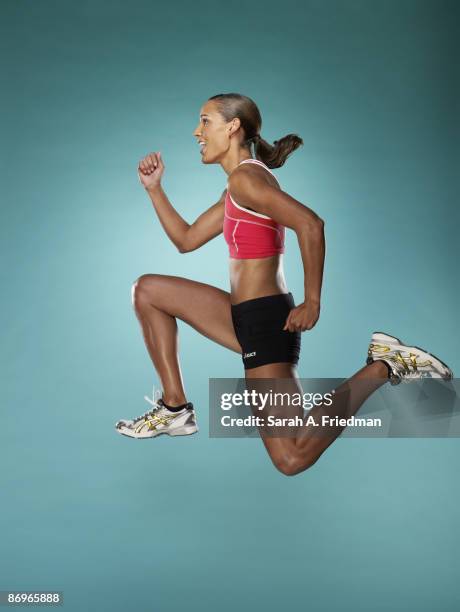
[[202, 146]]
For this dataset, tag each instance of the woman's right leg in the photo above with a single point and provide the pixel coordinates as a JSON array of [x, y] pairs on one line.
[[158, 301], [296, 452]]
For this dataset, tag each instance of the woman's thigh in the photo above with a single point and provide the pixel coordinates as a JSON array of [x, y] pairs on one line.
[[278, 377], [204, 307]]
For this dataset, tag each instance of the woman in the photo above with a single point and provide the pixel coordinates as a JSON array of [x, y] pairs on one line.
[[258, 318]]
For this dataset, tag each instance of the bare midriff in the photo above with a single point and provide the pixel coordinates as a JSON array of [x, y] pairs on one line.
[[255, 278]]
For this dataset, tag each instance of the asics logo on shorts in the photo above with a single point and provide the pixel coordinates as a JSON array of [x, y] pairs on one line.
[[246, 355]]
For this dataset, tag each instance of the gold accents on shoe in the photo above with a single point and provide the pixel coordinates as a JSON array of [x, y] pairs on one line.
[[159, 421], [381, 348], [153, 421], [412, 359], [406, 363], [398, 358]]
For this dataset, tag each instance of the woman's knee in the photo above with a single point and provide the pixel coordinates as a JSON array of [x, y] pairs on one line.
[[291, 463], [144, 288]]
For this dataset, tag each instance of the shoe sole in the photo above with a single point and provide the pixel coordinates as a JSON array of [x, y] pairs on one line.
[[182, 431], [450, 374]]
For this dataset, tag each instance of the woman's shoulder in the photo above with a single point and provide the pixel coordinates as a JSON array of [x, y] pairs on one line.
[[247, 175]]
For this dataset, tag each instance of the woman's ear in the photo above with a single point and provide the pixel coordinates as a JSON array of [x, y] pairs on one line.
[[234, 126]]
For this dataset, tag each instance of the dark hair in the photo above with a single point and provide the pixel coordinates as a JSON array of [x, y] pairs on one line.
[[233, 105]]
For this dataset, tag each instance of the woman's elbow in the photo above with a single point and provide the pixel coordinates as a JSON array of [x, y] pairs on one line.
[[318, 221], [186, 247], [311, 226]]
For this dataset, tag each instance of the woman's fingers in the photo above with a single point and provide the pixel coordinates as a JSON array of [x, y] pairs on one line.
[[292, 323], [150, 163], [150, 169], [159, 161], [147, 164]]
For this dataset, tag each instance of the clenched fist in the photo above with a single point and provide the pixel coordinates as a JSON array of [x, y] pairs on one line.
[[150, 170], [303, 317]]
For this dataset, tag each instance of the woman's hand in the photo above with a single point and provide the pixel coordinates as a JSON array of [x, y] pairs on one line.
[[303, 317], [150, 170]]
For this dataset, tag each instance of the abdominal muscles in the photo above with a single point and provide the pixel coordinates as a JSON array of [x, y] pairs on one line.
[[254, 278]]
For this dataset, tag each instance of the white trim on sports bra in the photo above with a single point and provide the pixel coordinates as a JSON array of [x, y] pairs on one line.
[[275, 229], [257, 161], [252, 212], [238, 221]]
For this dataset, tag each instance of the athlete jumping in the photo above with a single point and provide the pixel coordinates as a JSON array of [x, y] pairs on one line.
[[258, 317]]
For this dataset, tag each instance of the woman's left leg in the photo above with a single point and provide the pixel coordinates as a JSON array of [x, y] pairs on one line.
[[292, 455]]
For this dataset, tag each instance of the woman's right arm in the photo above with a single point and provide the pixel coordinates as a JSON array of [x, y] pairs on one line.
[[184, 236]]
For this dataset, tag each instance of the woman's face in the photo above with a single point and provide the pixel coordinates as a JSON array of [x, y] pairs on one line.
[[214, 132]]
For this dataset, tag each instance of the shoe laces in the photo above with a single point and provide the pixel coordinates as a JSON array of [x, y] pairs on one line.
[[157, 412]]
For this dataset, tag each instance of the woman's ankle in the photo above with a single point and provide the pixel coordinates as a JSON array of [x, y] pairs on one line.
[[173, 400]]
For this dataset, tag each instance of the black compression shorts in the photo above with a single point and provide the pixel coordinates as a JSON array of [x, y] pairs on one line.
[[259, 326]]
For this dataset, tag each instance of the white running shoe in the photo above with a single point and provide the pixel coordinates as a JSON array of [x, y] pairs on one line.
[[159, 421], [407, 363]]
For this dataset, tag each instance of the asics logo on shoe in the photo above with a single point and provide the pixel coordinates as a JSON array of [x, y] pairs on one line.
[[411, 360], [154, 421]]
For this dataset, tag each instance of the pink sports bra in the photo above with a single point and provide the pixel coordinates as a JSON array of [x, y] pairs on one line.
[[250, 234]]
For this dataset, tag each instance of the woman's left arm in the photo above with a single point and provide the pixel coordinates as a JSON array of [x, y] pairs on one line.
[[253, 190]]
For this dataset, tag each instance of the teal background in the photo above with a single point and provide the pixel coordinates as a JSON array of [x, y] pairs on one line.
[[199, 523]]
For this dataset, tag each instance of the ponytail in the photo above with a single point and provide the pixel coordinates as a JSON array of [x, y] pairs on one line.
[[276, 154]]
